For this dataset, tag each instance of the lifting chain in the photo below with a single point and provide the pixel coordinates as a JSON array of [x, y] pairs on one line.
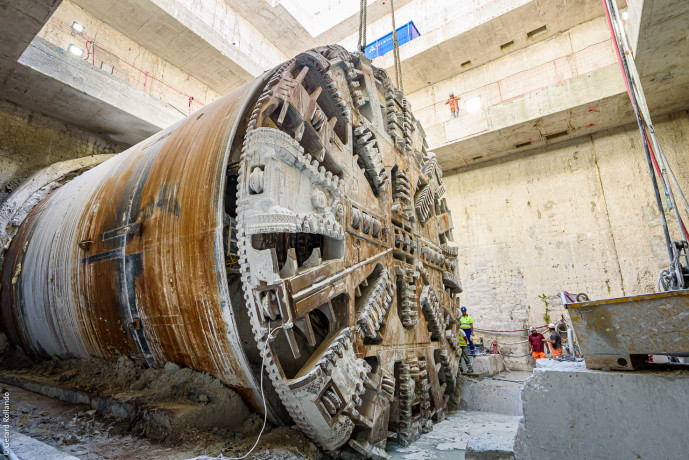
[[396, 50], [362, 25]]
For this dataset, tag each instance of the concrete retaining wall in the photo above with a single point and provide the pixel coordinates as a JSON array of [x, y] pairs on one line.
[[577, 216], [575, 412]]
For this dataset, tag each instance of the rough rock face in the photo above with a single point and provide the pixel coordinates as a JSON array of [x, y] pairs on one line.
[[32, 141], [296, 225]]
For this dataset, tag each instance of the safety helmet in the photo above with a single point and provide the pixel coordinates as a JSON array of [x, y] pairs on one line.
[[532, 329], [551, 326], [452, 94], [464, 308]]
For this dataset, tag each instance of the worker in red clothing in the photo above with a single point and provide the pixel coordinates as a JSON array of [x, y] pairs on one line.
[[536, 344], [454, 104]]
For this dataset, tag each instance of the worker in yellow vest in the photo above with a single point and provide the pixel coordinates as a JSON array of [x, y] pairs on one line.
[[463, 345], [466, 323]]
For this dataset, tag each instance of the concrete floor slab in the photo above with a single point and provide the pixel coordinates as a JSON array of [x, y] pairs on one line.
[[27, 447], [449, 438], [490, 447]]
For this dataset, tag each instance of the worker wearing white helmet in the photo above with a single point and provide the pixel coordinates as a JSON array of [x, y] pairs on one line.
[[536, 343], [454, 104], [555, 341]]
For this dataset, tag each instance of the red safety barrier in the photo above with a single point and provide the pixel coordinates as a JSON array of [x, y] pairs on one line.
[[514, 330]]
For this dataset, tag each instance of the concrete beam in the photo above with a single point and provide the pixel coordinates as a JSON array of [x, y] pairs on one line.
[[48, 81], [203, 43], [482, 35], [291, 37], [578, 106], [27, 447], [21, 22]]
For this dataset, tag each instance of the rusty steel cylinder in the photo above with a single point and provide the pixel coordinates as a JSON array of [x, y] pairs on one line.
[[127, 259], [294, 227]]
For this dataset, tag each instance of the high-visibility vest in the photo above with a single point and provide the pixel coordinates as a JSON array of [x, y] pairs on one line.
[[461, 339], [465, 322]]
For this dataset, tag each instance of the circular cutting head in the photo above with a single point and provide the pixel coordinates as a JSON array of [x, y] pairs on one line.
[[343, 253]]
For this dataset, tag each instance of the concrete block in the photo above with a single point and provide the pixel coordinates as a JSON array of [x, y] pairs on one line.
[[491, 395], [594, 414], [490, 447], [489, 364]]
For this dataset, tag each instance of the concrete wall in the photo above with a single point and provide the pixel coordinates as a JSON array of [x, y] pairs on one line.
[[31, 141], [579, 50], [128, 60], [222, 18], [577, 216]]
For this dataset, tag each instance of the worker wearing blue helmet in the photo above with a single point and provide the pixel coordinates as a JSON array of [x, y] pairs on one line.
[[466, 323]]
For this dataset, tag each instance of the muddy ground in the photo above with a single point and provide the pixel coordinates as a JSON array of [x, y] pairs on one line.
[[78, 430], [134, 412]]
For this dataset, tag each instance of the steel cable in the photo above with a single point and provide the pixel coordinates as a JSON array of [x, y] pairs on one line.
[[396, 50]]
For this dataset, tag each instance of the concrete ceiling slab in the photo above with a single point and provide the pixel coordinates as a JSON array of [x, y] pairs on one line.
[[129, 16], [439, 54], [21, 22], [47, 81], [662, 51], [190, 45], [285, 32]]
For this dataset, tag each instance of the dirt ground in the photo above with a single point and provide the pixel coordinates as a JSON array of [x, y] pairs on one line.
[[169, 413], [81, 431]]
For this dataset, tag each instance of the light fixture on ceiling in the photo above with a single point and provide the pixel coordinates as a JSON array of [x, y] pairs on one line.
[[473, 104], [75, 50], [625, 14], [78, 28]]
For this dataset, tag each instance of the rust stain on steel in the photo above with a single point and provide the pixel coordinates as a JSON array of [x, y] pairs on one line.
[[150, 282], [609, 331], [297, 223]]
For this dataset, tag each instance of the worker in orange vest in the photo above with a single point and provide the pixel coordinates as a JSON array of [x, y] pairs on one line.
[[454, 104]]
